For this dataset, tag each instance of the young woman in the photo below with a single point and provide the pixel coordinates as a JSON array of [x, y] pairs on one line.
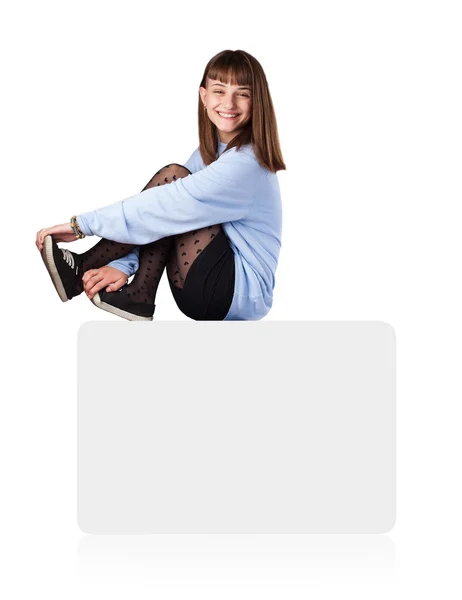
[[214, 223]]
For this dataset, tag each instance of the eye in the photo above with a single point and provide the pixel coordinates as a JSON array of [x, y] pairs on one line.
[[244, 95]]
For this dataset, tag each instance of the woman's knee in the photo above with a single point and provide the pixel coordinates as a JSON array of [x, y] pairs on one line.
[[178, 170], [172, 172], [168, 174]]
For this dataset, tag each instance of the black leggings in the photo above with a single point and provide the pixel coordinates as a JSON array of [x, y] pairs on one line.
[[208, 290]]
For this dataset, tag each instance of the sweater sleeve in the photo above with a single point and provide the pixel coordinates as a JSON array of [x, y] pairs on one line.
[[128, 264], [221, 192]]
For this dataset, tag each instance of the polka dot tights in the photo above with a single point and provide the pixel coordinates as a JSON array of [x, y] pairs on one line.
[[177, 252]]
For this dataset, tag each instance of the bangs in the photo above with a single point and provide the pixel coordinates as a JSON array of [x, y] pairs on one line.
[[232, 72]]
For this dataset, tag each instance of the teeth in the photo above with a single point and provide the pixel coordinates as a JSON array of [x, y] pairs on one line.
[[228, 115]]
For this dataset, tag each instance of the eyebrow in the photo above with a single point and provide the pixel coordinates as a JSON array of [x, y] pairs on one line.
[[242, 87]]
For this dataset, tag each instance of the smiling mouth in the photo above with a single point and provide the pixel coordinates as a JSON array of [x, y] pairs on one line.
[[225, 115]]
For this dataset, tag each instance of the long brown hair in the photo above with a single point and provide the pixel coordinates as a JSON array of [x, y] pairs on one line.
[[240, 68]]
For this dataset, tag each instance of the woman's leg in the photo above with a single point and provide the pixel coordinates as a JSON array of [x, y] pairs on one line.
[[106, 251], [186, 248], [208, 289], [136, 301]]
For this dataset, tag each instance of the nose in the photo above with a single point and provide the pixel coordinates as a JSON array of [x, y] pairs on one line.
[[228, 102]]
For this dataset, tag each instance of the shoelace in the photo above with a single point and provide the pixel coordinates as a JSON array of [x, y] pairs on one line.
[[68, 257]]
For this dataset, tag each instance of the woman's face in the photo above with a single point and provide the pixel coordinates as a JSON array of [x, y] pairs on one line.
[[222, 100]]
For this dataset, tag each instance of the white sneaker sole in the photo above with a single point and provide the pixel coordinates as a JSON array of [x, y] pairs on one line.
[[47, 256], [117, 311]]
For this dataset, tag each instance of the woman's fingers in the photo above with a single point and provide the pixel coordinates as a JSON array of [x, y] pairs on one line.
[[88, 274], [43, 235], [60, 233], [94, 280], [91, 278], [116, 285], [40, 237], [94, 284]]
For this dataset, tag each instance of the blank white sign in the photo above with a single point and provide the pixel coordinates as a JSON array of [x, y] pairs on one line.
[[236, 427]]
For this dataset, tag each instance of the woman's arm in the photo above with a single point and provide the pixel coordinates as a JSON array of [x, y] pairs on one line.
[[221, 192]]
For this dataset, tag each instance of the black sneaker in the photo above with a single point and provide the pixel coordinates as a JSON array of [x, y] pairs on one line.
[[64, 268], [119, 303]]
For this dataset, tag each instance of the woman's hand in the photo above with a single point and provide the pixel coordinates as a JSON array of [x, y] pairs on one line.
[[95, 280], [60, 233]]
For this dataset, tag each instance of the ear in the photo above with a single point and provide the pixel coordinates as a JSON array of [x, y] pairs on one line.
[[203, 93]]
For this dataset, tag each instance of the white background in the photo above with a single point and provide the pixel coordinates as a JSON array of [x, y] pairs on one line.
[[96, 97]]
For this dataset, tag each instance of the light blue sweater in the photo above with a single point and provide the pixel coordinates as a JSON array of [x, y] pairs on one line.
[[234, 190]]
